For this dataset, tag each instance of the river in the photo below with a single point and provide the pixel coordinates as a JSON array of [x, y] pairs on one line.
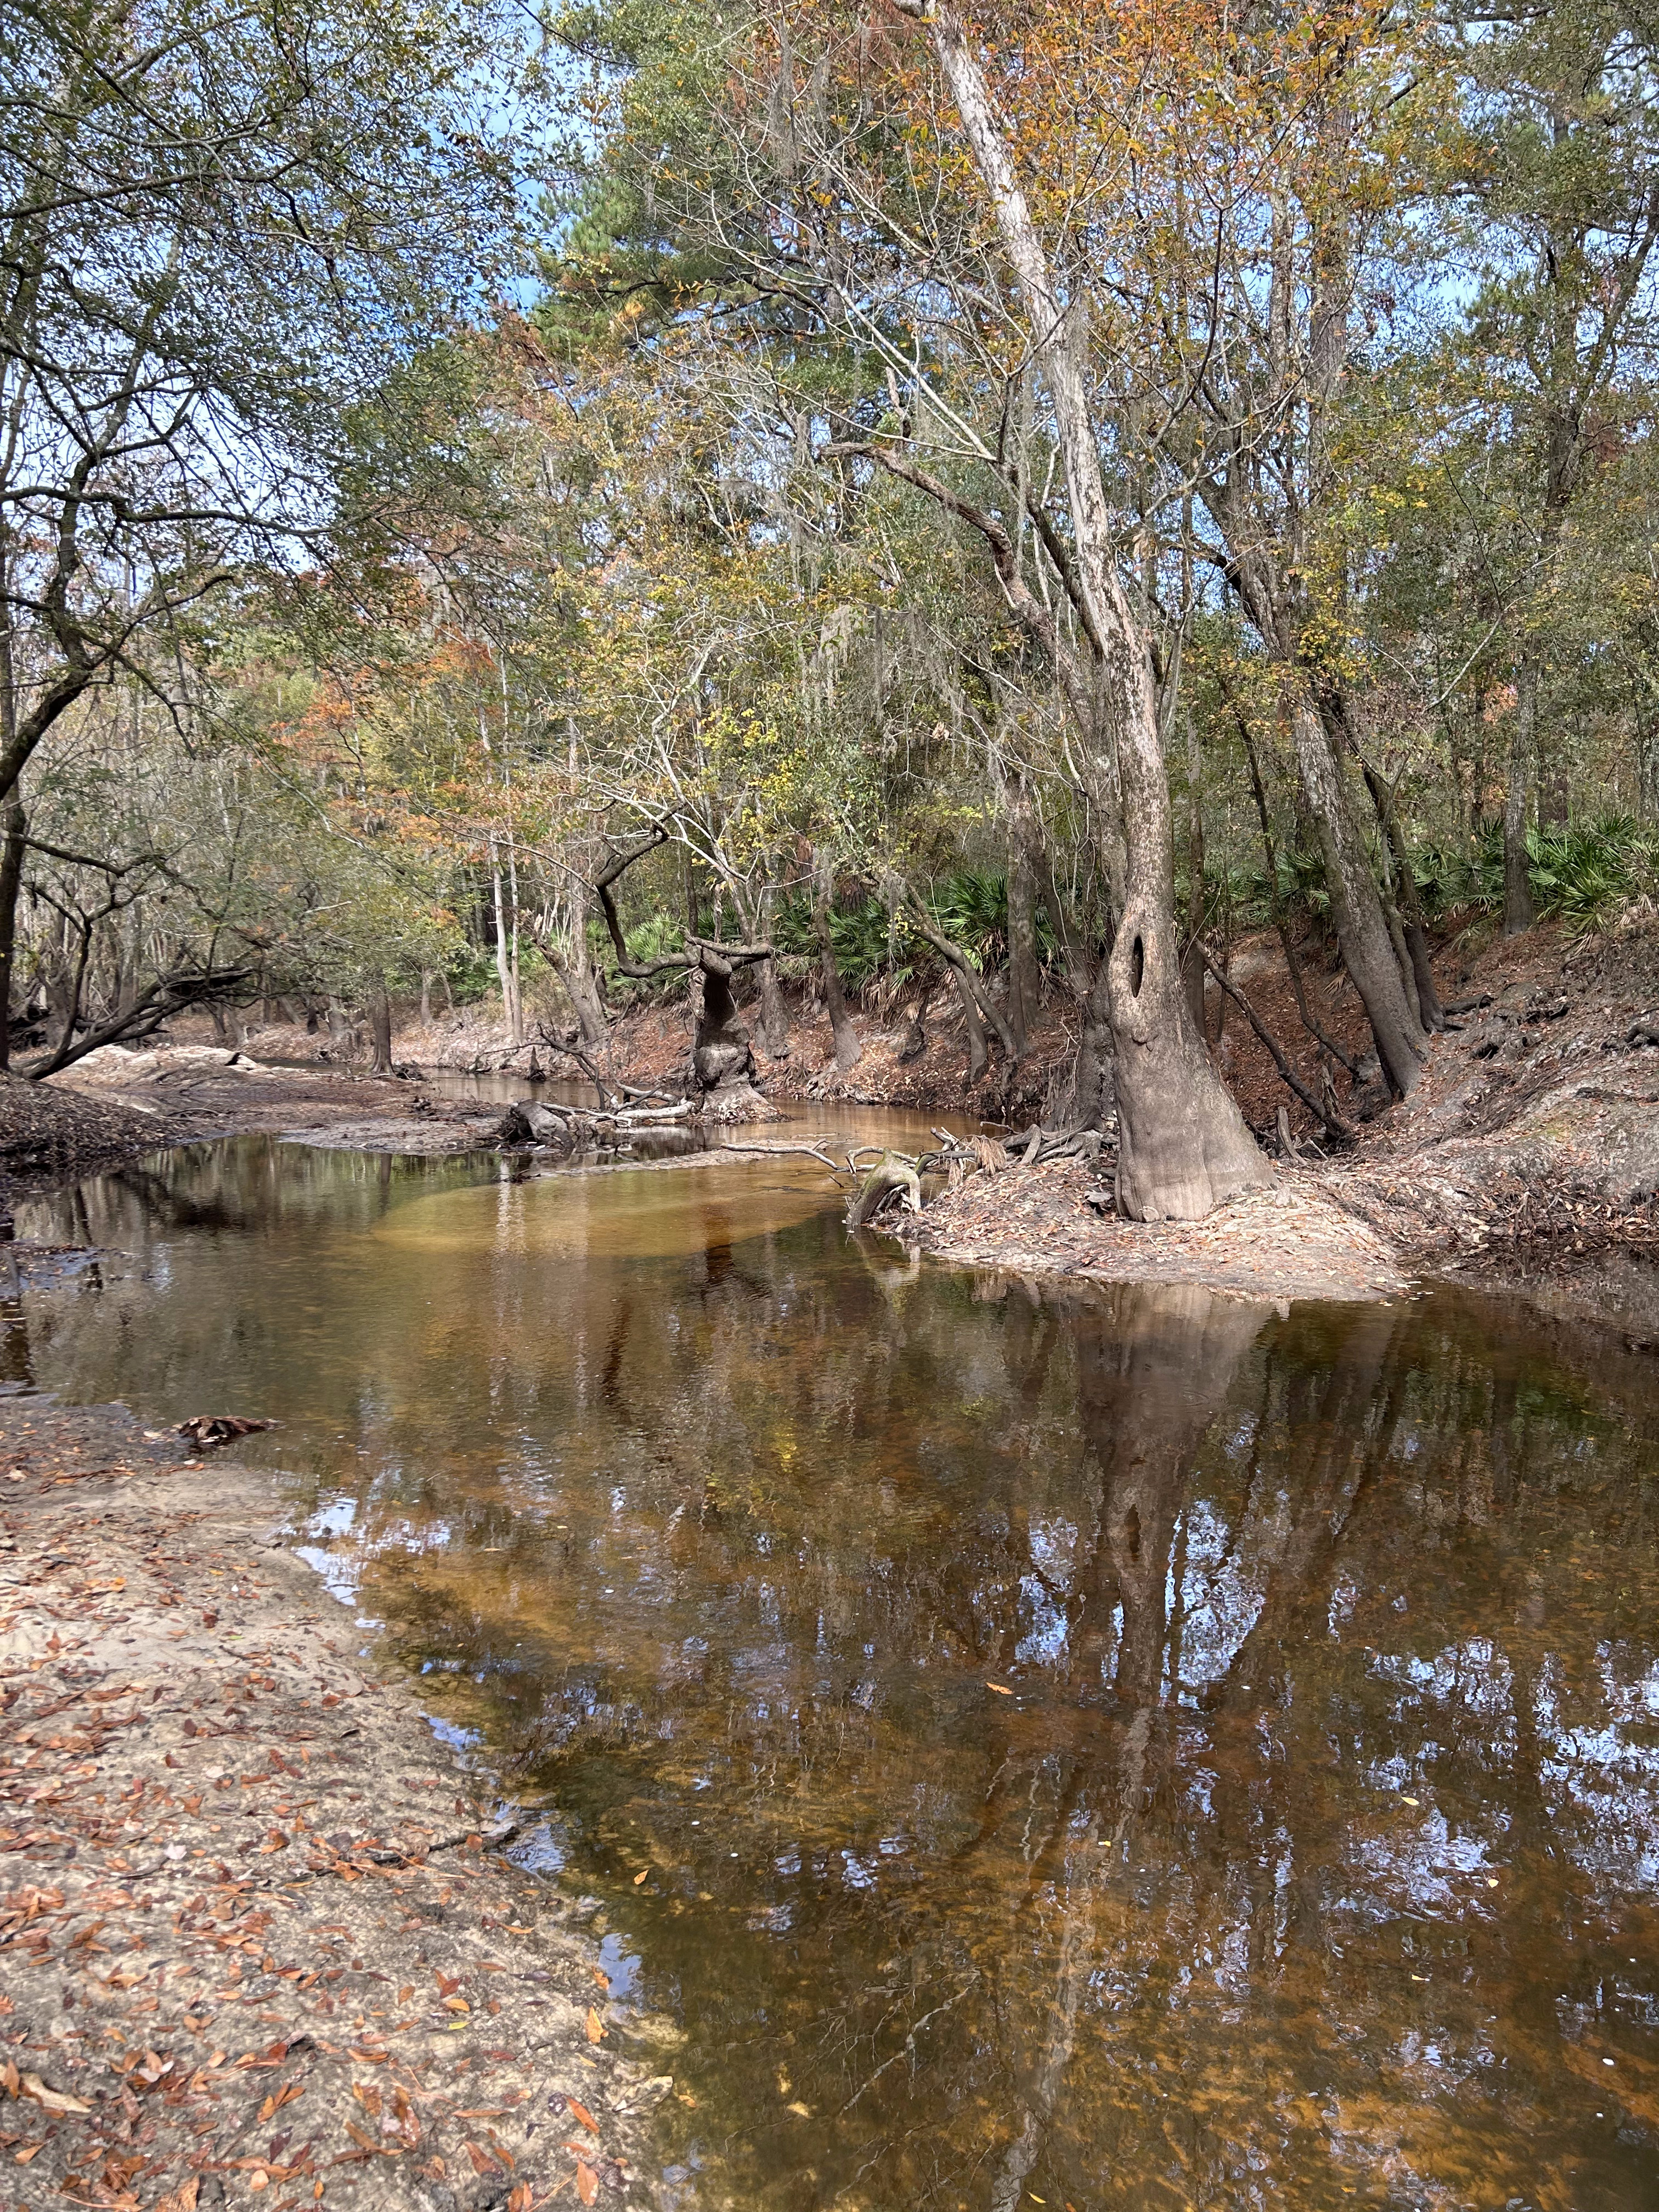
[[1084, 1748]]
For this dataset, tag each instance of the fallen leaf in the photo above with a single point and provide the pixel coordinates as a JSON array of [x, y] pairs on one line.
[[595, 2027], [520, 2198], [580, 2112], [51, 2100], [183, 2198], [587, 2182], [643, 1875], [405, 1993], [1001, 1689]]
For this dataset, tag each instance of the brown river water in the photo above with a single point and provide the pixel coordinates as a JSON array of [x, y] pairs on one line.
[[1096, 1748]]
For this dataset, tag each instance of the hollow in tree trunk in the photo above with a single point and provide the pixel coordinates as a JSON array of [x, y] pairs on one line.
[[1192, 951]]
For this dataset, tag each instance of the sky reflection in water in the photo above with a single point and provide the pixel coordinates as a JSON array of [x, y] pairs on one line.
[[1312, 1861]]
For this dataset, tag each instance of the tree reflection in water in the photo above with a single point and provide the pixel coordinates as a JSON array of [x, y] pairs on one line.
[[1313, 1860]]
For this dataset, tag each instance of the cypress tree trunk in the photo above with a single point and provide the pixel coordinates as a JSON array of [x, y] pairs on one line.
[[722, 1059]]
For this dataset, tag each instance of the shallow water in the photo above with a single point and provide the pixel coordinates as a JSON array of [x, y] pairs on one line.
[[1312, 1856]]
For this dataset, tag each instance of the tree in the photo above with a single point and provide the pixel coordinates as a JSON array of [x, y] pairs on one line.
[[226, 233], [1182, 1144], [1562, 176]]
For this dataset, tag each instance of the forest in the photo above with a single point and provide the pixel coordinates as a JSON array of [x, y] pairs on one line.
[[825, 503], [828, 1105]]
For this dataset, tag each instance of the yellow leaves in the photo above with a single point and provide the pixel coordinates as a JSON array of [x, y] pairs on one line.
[[595, 2027]]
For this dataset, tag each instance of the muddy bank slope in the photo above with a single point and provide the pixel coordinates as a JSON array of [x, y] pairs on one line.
[[258, 1945]]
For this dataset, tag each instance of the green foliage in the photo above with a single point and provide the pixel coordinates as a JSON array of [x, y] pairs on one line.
[[1584, 875]]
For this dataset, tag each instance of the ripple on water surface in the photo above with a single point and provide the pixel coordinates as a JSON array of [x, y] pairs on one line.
[[1132, 1747]]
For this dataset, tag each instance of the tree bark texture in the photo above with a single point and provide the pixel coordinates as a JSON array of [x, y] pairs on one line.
[[775, 1015], [1362, 931], [379, 1026], [979, 1058]]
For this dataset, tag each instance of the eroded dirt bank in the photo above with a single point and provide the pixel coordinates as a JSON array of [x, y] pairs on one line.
[[258, 1942]]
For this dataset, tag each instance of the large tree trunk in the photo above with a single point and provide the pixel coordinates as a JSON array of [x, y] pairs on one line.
[[848, 1050], [723, 1059], [379, 1026], [1362, 930], [1183, 1145], [1519, 913]]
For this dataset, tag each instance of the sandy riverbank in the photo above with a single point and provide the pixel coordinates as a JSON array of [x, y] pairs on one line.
[[259, 1945]]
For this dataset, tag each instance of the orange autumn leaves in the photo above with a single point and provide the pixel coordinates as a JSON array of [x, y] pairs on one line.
[[1129, 119]]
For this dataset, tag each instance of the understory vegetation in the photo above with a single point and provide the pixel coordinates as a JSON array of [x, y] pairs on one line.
[[912, 502]]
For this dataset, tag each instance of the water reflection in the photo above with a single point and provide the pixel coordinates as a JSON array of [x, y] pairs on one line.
[[1130, 1748]]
